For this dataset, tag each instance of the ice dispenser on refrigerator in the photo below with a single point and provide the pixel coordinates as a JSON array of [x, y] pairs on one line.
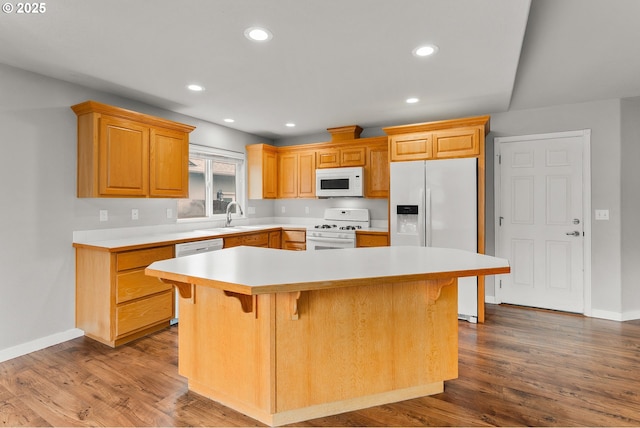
[[407, 220]]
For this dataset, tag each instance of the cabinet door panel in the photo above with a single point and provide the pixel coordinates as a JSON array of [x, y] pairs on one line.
[[463, 142], [307, 175], [275, 239], [411, 147], [123, 160], [352, 157], [287, 175], [329, 158], [169, 164], [377, 172], [270, 175]]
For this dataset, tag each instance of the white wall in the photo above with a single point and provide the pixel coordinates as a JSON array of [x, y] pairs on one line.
[[40, 210], [630, 195]]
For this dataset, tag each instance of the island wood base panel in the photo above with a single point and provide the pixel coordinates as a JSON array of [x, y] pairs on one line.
[[319, 410], [301, 355]]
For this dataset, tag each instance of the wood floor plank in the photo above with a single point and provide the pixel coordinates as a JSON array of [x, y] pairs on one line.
[[523, 367]]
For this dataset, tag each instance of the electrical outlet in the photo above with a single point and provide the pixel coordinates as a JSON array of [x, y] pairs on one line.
[[251, 210], [169, 213], [306, 210], [104, 215], [284, 210], [134, 214]]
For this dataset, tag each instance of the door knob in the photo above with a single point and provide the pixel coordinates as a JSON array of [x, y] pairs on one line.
[[574, 233]]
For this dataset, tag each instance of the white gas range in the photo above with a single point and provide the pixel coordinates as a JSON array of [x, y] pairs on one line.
[[338, 229]]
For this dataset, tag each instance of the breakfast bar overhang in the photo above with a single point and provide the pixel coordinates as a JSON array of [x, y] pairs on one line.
[[276, 335]]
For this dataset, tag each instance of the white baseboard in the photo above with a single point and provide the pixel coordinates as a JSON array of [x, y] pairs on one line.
[[606, 315], [491, 300], [38, 344], [629, 316]]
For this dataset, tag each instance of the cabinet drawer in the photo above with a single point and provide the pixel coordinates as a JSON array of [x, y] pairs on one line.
[[142, 313], [372, 240], [294, 236], [253, 240], [134, 284], [295, 246], [142, 258]]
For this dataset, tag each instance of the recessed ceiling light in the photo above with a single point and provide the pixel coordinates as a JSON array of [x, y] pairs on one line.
[[195, 88], [290, 124], [412, 100], [258, 34], [229, 120], [426, 50]]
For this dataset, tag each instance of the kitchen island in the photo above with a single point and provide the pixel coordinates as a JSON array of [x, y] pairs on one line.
[[290, 336]]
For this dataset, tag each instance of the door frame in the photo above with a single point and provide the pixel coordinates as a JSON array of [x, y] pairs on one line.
[[586, 200]]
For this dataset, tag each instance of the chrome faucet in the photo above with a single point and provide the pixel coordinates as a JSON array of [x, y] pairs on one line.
[[229, 212]]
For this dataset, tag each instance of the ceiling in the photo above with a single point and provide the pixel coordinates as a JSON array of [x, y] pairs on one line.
[[333, 63]]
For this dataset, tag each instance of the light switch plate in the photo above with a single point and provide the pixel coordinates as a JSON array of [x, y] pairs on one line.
[[602, 214], [251, 210], [169, 213]]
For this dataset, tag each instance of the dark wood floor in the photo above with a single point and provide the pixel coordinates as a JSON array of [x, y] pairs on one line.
[[522, 368]]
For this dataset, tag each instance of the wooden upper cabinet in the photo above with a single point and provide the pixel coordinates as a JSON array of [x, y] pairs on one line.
[[122, 153], [455, 143], [262, 171], [444, 139], [169, 164], [340, 157], [376, 171], [327, 158], [411, 147], [123, 158], [307, 174], [355, 156], [287, 175]]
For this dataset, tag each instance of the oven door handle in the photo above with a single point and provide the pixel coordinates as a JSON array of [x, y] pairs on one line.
[[329, 240]]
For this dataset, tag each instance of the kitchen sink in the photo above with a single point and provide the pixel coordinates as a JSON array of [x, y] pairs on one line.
[[233, 229]]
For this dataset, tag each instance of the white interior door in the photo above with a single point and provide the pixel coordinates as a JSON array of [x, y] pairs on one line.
[[541, 221]]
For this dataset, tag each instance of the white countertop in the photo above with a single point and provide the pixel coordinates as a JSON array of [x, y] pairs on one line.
[[172, 237], [168, 238], [253, 270]]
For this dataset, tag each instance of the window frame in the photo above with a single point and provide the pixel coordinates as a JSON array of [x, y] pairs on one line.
[[225, 155]]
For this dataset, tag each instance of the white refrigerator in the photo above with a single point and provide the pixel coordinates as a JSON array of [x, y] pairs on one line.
[[434, 204]]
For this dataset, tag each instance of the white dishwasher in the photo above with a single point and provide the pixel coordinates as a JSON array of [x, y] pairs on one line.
[[197, 247]]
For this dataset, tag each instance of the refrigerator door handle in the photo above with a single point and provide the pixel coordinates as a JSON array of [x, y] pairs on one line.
[[421, 220], [427, 217]]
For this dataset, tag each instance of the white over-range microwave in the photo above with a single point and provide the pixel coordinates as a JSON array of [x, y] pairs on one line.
[[339, 182]]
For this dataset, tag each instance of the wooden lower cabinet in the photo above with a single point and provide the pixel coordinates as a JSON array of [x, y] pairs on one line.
[[372, 239], [294, 239], [115, 301], [258, 239], [275, 239]]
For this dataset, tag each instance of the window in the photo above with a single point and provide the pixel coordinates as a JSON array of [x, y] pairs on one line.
[[216, 178]]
